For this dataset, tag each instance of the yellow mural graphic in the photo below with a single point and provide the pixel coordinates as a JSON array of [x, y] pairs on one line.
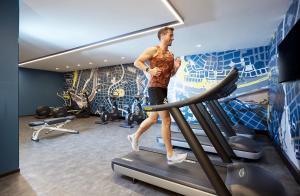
[[205, 83], [180, 72], [75, 78], [119, 92], [253, 82]]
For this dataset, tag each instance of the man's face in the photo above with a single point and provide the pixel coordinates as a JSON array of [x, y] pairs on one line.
[[168, 37]]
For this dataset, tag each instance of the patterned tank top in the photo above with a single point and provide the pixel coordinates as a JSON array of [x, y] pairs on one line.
[[165, 62]]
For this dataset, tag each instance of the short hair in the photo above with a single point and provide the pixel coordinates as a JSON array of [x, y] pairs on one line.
[[163, 31]]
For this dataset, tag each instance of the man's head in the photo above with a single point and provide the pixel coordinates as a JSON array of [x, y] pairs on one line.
[[166, 35]]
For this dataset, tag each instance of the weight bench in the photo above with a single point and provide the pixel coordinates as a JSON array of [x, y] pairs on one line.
[[52, 124]]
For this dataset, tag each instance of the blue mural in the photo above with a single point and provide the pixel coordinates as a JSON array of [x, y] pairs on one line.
[[200, 72], [284, 99], [250, 114], [197, 73], [125, 81]]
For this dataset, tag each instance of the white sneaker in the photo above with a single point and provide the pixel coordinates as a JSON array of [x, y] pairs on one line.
[[134, 142], [176, 158]]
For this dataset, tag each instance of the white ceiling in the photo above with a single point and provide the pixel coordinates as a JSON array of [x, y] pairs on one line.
[[52, 26]]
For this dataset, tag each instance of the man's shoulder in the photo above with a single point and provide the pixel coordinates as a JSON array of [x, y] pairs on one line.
[[151, 50]]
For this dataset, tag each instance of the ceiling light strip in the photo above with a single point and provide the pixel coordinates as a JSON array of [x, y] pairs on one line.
[[173, 11], [116, 38]]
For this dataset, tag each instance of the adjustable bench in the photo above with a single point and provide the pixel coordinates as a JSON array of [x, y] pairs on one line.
[[52, 124]]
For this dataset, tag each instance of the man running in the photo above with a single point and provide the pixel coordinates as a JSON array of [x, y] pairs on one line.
[[162, 68]]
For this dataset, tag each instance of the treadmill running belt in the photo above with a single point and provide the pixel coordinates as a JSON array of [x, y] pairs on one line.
[[188, 173]]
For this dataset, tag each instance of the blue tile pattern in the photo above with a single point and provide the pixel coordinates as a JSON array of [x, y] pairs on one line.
[[123, 79], [201, 71], [284, 99], [250, 114]]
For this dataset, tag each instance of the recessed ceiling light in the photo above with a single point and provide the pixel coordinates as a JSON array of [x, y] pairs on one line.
[[67, 66], [105, 60], [123, 57], [78, 65], [90, 63], [198, 45], [57, 68]]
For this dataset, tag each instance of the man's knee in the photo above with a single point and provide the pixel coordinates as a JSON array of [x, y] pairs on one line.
[[153, 119]]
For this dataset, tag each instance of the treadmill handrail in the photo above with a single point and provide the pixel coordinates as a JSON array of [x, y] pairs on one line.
[[226, 83]]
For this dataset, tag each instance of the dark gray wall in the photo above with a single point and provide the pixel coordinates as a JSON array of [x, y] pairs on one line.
[[37, 88], [9, 124]]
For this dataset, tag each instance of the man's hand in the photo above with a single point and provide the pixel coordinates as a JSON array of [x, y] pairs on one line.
[[177, 63], [155, 71]]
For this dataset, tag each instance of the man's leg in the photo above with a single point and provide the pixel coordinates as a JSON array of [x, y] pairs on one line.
[[145, 125], [166, 131], [166, 134]]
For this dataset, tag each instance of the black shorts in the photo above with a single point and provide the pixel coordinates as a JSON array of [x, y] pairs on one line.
[[157, 95]]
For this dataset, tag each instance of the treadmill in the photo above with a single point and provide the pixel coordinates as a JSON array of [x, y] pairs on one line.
[[242, 147], [235, 129], [199, 177], [231, 128]]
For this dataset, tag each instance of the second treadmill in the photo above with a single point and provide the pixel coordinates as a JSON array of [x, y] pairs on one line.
[[243, 147]]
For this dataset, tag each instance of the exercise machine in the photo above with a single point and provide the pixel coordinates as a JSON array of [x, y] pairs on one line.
[[113, 115], [128, 118], [43, 112], [136, 114], [52, 124], [103, 116], [200, 177], [80, 112], [66, 97], [236, 128], [242, 147]]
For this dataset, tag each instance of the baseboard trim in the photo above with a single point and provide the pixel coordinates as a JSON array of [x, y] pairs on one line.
[[9, 173]]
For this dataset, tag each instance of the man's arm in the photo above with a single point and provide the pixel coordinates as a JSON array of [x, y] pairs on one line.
[[177, 64], [145, 56]]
